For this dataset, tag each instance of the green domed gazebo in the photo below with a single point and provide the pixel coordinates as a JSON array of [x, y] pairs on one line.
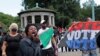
[[35, 15]]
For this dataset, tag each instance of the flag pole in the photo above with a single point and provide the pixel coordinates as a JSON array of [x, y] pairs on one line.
[[93, 11]]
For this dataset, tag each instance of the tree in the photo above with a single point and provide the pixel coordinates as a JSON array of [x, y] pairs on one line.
[[64, 8], [97, 12], [86, 11], [28, 4], [6, 20], [67, 8]]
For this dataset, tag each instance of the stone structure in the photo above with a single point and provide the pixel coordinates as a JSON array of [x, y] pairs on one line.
[[35, 15]]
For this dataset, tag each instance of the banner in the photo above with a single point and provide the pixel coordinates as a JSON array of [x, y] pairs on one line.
[[82, 35], [46, 36]]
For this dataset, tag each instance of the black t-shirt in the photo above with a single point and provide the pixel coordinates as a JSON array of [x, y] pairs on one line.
[[13, 42]]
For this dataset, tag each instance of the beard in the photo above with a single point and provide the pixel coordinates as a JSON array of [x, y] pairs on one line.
[[44, 27]]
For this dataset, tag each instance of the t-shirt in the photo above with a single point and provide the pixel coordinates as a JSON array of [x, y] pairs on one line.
[[13, 42], [40, 32]]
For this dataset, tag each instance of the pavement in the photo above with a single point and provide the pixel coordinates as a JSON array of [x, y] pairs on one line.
[[69, 53], [75, 53]]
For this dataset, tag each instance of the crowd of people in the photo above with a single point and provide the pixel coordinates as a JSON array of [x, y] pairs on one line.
[[92, 51], [13, 43], [27, 44]]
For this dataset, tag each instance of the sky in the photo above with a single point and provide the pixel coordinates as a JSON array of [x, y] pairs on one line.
[[12, 7], [96, 1]]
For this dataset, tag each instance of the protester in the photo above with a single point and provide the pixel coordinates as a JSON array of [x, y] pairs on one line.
[[86, 49], [48, 50], [30, 45], [55, 40], [11, 42], [89, 19]]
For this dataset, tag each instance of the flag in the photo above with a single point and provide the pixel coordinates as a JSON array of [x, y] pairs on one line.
[[46, 36], [82, 35]]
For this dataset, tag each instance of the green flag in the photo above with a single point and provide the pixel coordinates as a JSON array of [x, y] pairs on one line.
[[46, 36]]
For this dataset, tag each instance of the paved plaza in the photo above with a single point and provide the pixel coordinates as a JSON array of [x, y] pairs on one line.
[[75, 53]]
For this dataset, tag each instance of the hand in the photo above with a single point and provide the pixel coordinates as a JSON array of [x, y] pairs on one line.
[[4, 54]]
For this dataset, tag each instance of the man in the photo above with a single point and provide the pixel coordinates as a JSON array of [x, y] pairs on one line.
[[48, 50], [89, 51]]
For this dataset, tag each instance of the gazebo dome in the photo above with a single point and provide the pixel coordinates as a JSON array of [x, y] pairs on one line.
[[37, 9]]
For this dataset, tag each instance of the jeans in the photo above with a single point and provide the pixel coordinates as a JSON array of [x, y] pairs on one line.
[[89, 53], [48, 52]]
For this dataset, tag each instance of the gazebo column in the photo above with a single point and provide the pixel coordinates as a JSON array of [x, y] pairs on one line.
[[49, 20], [25, 20], [53, 21], [33, 19], [42, 17], [21, 22]]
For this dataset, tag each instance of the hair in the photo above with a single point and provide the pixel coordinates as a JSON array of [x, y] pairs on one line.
[[13, 25], [86, 19], [27, 28]]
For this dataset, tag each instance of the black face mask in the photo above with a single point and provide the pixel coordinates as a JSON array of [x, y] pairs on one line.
[[14, 30]]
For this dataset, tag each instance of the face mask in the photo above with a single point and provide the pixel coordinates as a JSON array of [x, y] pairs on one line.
[[14, 30]]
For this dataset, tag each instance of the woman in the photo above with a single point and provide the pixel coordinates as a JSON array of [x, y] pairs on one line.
[[30, 45], [11, 42]]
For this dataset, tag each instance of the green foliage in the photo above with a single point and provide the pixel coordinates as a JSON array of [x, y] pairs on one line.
[[86, 11], [97, 13], [6, 20], [17, 20], [28, 4], [67, 10]]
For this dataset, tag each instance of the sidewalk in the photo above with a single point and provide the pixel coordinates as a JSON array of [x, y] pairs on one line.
[[70, 53], [75, 53]]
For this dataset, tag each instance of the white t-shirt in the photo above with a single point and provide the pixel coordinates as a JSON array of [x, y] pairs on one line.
[[40, 32]]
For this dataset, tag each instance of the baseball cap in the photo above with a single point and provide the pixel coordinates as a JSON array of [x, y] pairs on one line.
[[42, 21]]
